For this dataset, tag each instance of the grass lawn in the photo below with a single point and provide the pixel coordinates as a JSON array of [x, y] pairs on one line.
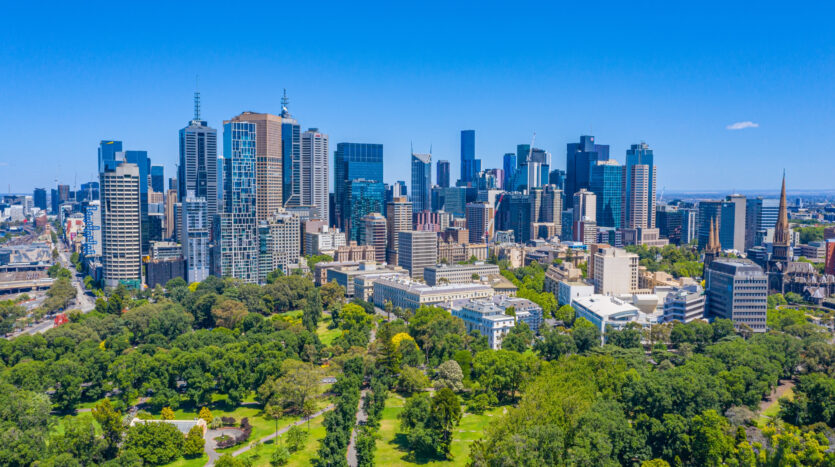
[[260, 456], [773, 409], [327, 335], [391, 449], [195, 462]]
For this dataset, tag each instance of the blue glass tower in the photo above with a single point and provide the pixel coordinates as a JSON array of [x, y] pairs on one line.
[[363, 197], [470, 166], [442, 175], [509, 166], [421, 182], [607, 184], [158, 178], [291, 155], [140, 158], [238, 240], [579, 158], [107, 154], [354, 161]]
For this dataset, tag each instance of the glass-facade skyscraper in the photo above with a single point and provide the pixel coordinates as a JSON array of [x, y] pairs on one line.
[[354, 161], [509, 166], [607, 184], [238, 243], [158, 178], [442, 175], [199, 170], [141, 160], [107, 154], [470, 166], [421, 182], [579, 159], [639, 154], [362, 198], [291, 153]]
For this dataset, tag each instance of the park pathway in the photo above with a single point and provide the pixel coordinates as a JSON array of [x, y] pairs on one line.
[[214, 455], [362, 416]]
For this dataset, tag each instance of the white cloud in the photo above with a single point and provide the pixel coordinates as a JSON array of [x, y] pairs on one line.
[[742, 125]]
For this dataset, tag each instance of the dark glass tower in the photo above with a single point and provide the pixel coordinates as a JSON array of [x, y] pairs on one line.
[[140, 158], [442, 176], [579, 159], [470, 166], [509, 166], [291, 154], [158, 178], [107, 154], [354, 161], [421, 182], [607, 184], [198, 171]]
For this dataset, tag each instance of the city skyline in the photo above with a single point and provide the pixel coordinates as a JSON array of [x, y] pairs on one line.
[[702, 105]]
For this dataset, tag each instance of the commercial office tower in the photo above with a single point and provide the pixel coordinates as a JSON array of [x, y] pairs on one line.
[[442, 175], [470, 166], [416, 250], [363, 198], [196, 230], [238, 252], [120, 218], [198, 169], [509, 166], [579, 158], [607, 184], [760, 215], [373, 233], [313, 172], [291, 154], [354, 161], [640, 182], [421, 182], [268, 161], [107, 154], [398, 219], [141, 160], [279, 243]]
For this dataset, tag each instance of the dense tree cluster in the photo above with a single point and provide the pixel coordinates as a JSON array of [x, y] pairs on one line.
[[340, 422], [680, 261]]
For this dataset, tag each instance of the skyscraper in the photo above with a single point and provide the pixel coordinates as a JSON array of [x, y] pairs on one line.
[[354, 161], [374, 234], [198, 171], [640, 210], [416, 250], [279, 243], [158, 178], [760, 215], [470, 166], [737, 289], [509, 166], [364, 197], [421, 182], [291, 154], [92, 229], [442, 176], [141, 160], [120, 217], [268, 161], [480, 222], [607, 185], [396, 190], [196, 236], [313, 172], [585, 212], [238, 253], [732, 230], [398, 219], [579, 159], [39, 197], [644, 205], [107, 154]]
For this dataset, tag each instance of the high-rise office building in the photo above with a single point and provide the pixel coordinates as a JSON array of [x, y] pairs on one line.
[[87, 192], [279, 243], [470, 166], [92, 229], [579, 159], [396, 190], [480, 222], [557, 178], [760, 215], [710, 212], [196, 237], [354, 161], [291, 154], [398, 219], [107, 154], [640, 154], [170, 215], [120, 220], [39, 197], [374, 234], [509, 167], [416, 250], [607, 185], [199, 171], [584, 208], [314, 174], [238, 252], [732, 229], [268, 161], [452, 200], [640, 208], [737, 289], [421, 182], [615, 271], [442, 175], [158, 178], [363, 198], [141, 160]]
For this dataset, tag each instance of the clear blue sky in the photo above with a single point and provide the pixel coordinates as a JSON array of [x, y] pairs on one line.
[[673, 76]]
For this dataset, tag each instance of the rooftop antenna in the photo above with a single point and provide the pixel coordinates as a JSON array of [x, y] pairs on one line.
[[412, 146], [196, 98], [284, 102]]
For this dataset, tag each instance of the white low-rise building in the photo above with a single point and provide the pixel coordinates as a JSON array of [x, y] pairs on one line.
[[604, 310], [487, 318], [406, 293], [685, 304], [567, 292]]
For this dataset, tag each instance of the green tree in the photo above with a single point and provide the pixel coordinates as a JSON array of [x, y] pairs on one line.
[[298, 383], [156, 443], [228, 313], [296, 438], [449, 375], [112, 426], [518, 338], [585, 335], [411, 380], [194, 442], [281, 455], [312, 312], [554, 344], [445, 413]]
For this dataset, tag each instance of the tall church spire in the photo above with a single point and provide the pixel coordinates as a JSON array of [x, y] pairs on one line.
[[781, 230]]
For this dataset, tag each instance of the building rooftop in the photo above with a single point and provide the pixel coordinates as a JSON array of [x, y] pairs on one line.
[[605, 306], [419, 287]]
